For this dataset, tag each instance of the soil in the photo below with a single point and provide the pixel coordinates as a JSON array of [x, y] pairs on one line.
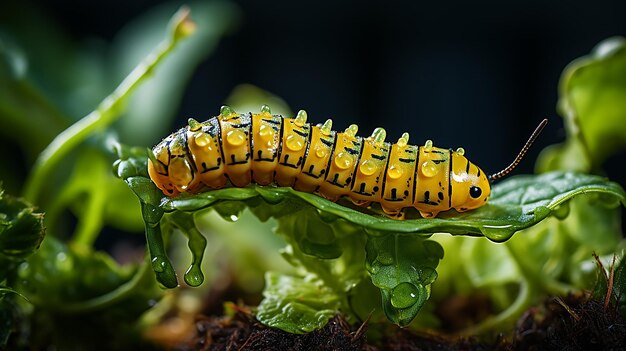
[[570, 323]]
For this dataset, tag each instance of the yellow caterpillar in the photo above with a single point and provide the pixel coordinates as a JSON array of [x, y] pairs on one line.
[[265, 149]]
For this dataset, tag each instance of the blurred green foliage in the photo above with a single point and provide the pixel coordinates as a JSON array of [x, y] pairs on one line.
[[554, 257], [21, 234], [77, 296]]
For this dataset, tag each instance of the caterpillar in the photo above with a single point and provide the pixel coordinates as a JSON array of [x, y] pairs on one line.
[[239, 149]]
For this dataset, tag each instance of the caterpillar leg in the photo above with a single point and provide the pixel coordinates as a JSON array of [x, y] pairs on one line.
[[361, 203], [432, 214], [393, 213], [333, 198]]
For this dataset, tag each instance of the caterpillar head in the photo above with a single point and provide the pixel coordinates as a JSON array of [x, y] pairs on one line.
[[470, 184]]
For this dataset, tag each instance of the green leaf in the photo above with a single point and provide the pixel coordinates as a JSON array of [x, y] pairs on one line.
[[403, 267], [71, 280], [295, 304], [515, 204], [592, 100], [21, 228]]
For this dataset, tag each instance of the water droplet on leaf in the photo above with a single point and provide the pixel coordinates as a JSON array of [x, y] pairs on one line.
[[404, 295]]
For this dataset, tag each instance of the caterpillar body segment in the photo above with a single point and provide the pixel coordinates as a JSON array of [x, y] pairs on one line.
[[270, 149]]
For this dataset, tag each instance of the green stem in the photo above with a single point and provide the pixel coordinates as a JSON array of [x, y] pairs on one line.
[[506, 317], [109, 109], [91, 221]]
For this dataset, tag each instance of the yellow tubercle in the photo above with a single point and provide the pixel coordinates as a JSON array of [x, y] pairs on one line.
[[193, 124], [226, 111], [379, 135], [404, 140], [301, 118], [326, 128], [428, 145], [352, 130]]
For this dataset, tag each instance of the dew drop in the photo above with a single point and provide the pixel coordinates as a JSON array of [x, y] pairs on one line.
[[294, 142], [429, 169], [404, 295], [320, 151], [343, 160], [497, 233], [235, 137], [158, 264], [394, 172], [368, 167], [194, 276], [234, 218], [266, 132], [202, 139]]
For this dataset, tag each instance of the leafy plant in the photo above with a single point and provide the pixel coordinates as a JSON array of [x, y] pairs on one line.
[[329, 241], [21, 233], [345, 260]]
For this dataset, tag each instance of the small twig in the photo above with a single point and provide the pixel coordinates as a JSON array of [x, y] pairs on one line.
[[567, 308], [608, 278], [609, 285], [601, 266], [362, 329]]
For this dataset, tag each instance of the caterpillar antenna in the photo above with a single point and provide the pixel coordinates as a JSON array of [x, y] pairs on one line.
[[493, 177]]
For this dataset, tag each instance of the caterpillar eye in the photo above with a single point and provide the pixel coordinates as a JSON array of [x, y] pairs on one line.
[[475, 192]]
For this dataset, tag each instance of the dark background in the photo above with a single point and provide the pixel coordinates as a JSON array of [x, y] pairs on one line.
[[480, 75]]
